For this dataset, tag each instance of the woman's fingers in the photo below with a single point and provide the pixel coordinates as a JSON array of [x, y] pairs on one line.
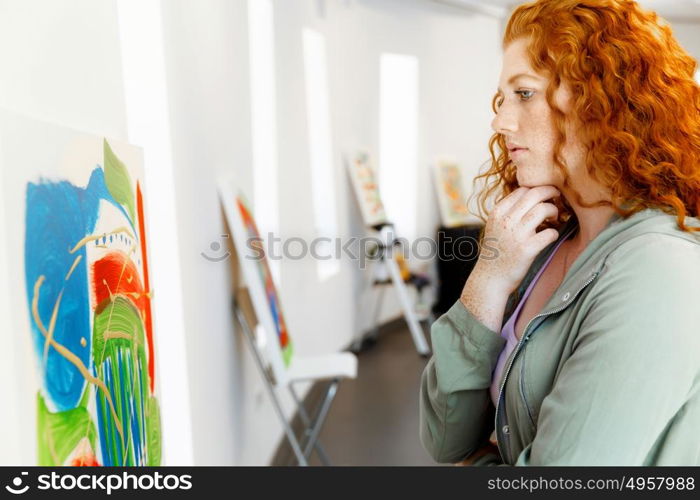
[[544, 238], [507, 203], [531, 198], [537, 215]]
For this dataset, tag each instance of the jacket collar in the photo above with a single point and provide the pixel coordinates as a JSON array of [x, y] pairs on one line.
[[590, 262]]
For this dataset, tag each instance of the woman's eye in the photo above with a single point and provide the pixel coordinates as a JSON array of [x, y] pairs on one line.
[[525, 94]]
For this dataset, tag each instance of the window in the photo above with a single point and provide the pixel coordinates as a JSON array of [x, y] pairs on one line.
[[261, 41], [398, 136], [320, 149]]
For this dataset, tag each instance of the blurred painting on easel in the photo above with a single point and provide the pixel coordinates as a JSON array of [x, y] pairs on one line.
[[367, 190], [450, 194], [252, 238]]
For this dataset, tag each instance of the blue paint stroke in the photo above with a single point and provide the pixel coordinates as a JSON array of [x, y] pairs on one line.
[[59, 215]]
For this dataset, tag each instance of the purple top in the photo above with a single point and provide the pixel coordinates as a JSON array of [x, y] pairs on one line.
[[508, 331]]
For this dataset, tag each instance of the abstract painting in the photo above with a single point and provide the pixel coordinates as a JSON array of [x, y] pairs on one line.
[[367, 190], [273, 302], [450, 194], [87, 297]]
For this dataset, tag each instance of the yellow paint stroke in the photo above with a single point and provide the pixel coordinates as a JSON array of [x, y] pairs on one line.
[[72, 358], [52, 327], [111, 297], [116, 335], [136, 295], [88, 239], [72, 268], [51, 445]]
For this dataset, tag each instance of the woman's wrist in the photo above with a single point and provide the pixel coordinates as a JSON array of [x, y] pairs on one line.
[[485, 298]]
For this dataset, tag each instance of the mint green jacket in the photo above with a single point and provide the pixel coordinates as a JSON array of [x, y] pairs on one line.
[[608, 373]]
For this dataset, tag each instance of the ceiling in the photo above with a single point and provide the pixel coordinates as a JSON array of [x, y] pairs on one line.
[[673, 10]]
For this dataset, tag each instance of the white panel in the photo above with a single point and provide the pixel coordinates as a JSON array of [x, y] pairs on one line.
[[398, 136], [148, 126], [320, 148], [264, 117]]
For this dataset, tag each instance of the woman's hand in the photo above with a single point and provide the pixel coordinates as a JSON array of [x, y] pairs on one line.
[[510, 234], [510, 245], [484, 450]]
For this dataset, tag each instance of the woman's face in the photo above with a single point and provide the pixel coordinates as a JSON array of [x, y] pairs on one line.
[[524, 118]]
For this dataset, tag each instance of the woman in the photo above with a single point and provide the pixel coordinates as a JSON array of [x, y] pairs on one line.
[[576, 340]]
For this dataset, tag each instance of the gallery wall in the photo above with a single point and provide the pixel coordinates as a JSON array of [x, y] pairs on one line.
[[208, 80], [60, 63]]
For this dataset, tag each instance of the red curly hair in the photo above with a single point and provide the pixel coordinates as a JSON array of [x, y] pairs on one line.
[[635, 101]]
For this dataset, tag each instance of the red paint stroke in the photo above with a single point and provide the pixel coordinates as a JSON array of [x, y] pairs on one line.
[[147, 283], [265, 274], [116, 274], [89, 460]]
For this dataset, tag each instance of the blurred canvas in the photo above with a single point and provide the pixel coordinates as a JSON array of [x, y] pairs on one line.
[[450, 194], [366, 190], [255, 275]]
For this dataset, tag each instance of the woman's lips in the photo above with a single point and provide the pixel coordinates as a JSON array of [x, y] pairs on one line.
[[516, 152]]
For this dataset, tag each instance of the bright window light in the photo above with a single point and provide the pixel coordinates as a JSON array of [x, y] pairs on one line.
[[143, 66], [261, 41], [320, 148], [398, 136]]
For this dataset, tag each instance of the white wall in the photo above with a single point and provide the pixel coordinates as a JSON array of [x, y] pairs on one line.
[[60, 63], [208, 75], [688, 35]]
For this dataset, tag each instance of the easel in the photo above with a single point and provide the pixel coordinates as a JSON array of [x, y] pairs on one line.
[[251, 308], [387, 261], [374, 217], [312, 428]]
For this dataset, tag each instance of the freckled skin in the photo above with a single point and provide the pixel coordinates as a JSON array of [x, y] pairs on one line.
[[525, 119]]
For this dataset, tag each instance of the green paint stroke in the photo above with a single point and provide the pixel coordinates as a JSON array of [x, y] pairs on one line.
[[123, 355], [118, 181], [119, 316], [153, 431], [287, 353], [59, 433]]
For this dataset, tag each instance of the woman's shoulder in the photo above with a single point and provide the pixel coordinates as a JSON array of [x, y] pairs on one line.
[[656, 234], [650, 280]]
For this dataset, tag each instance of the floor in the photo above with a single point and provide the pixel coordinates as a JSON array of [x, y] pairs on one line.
[[374, 419]]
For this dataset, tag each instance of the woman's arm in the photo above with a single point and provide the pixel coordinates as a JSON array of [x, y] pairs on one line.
[[455, 408]]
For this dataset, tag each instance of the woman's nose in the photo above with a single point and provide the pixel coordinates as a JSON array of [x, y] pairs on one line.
[[504, 121]]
